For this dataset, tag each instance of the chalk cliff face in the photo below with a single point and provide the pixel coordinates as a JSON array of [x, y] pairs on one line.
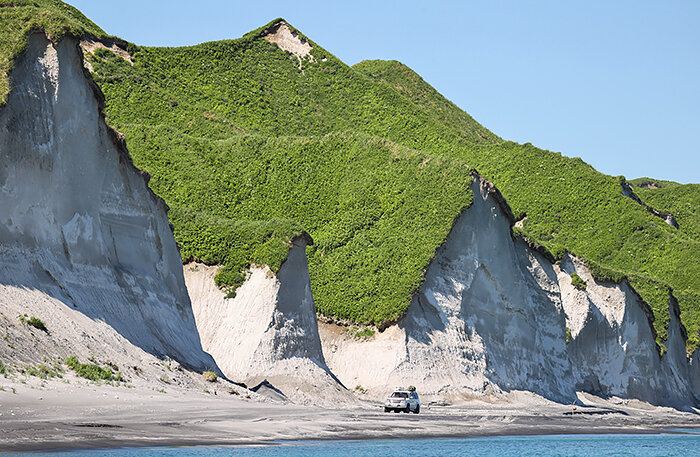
[[486, 320], [493, 301], [86, 246], [268, 330], [695, 373], [491, 317], [79, 229], [612, 347]]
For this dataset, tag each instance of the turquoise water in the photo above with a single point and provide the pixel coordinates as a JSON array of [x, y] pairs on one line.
[[562, 445]]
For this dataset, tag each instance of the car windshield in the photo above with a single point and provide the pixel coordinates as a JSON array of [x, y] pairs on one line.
[[399, 395]]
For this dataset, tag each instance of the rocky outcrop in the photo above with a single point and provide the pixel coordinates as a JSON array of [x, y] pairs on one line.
[[85, 244], [268, 330], [288, 40], [629, 193], [695, 373], [492, 316], [613, 346], [486, 320]]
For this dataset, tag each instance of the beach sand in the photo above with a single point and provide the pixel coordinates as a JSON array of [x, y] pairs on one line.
[[55, 414]]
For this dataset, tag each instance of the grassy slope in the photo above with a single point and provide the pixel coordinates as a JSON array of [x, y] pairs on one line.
[[237, 136], [249, 89], [570, 206], [234, 129], [680, 200], [19, 17], [376, 210], [683, 201]]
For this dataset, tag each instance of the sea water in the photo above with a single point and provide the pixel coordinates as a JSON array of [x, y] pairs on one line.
[[684, 444]]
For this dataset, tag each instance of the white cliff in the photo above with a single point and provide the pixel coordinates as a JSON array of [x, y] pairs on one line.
[[85, 245], [492, 315], [613, 346], [268, 330], [487, 320], [695, 373]]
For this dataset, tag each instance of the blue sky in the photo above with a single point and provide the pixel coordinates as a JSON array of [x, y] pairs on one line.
[[616, 83]]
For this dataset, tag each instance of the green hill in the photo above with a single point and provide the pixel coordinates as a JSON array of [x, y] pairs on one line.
[[251, 145], [681, 200]]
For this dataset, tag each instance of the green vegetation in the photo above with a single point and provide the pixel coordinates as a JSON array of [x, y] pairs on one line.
[[358, 333], [233, 243], [372, 162], [210, 376], [44, 372], [33, 321], [577, 282], [92, 371], [357, 213], [37, 323], [683, 202], [568, 335], [5, 370], [250, 152]]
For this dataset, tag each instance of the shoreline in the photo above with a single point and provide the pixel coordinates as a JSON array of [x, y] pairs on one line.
[[110, 444], [57, 416], [528, 427]]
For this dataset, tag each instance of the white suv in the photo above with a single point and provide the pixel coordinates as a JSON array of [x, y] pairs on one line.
[[403, 400]]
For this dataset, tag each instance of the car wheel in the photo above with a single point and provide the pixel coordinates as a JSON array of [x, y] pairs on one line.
[[408, 409], [396, 410], [417, 410], [386, 410]]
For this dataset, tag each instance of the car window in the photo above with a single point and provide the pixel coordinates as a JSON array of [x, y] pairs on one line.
[[414, 395], [399, 395]]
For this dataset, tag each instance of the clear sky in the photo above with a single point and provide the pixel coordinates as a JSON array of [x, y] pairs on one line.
[[615, 82]]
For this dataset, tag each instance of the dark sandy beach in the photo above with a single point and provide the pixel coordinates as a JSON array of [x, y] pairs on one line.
[[68, 416]]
